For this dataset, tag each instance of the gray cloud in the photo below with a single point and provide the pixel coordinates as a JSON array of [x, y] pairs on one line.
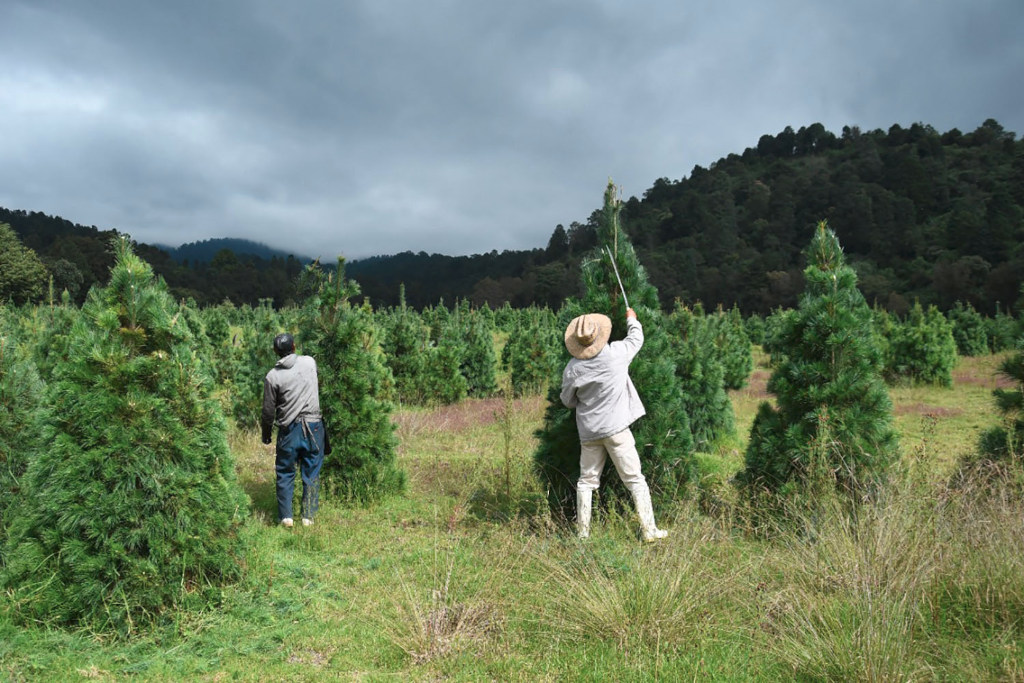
[[453, 126]]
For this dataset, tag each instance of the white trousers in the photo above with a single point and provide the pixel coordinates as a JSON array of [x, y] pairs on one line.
[[622, 449]]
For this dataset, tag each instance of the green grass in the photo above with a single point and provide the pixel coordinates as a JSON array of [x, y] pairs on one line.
[[466, 578]]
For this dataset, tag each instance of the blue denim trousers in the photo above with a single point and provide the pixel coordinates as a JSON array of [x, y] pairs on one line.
[[300, 443]]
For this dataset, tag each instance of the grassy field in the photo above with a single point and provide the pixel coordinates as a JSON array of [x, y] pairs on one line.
[[466, 578]]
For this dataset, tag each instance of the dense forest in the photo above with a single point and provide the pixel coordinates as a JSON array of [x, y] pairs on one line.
[[204, 251], [922, 215]]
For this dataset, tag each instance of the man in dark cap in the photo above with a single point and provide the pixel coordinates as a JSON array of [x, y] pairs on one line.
[[596, 383], [291, 400]]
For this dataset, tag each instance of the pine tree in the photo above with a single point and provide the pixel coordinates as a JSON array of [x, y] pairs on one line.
[[22, 416], [442, 381], [135, 507], [922, 349], [217, 324], [506, 318], [405, 343], [828, 385], [733, 346], [478, 357], [22, 275], [772, 344], [754, 327], [969, 331], [437, 319], [883, 327], [533, 352], [701, 376], [251, 356], [426, 369], [663, 436], [1002, 331], [45, 329], [485, 313], [355, 389], [1006, 443]]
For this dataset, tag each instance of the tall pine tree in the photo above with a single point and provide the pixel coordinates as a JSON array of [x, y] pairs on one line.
[[22, 413], [249, 357], [135, 507], [969, 330], [424, 373], [1002, 447], [533, 351], [701, 375], [22, 275], [922, 349], [734, 349], [479, 362], [829, 378], [355, 389], [663, 437]]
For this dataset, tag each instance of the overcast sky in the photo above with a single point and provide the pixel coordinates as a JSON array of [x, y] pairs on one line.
[[364, 127]]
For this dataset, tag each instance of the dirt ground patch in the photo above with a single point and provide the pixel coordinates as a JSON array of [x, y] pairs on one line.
[[455, 417], [925, 409], [757, 386], [989, 381]]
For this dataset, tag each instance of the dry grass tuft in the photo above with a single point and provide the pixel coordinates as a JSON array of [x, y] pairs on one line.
[[851, 603], [982, 371], [983, 580], [664, 596], [458, 609], [757, 386], [309, 657], [464, 416], [445, 626], [92, 672]]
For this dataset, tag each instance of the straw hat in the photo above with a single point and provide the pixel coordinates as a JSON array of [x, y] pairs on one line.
[[587, 334]]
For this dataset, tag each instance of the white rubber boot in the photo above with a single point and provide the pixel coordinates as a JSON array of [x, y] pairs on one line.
[[584, 501], [648, 529]]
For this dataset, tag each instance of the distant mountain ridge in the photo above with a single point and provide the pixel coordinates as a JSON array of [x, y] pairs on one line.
[[203, 251]]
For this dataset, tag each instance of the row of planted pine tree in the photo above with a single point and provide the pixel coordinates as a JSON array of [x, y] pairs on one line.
[[118, 501]]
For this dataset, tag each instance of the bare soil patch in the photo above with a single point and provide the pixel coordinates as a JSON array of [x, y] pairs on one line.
[[757, 385], [466, 415], [457, 417], [925, 409], [988, 380]]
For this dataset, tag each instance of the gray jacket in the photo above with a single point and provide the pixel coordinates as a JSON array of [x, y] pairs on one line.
[[290, 392], [600, 389]]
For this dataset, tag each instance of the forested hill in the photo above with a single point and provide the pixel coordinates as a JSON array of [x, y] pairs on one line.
[[204, 251], [79, 256], [937, 217]]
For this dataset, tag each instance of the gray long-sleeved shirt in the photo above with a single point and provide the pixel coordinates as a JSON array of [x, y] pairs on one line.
[[290, 392], [600, 389]]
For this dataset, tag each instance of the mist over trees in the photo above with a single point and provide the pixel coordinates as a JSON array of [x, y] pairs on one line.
[[922, 216]]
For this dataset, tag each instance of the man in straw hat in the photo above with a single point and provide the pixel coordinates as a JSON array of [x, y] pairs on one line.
[[596, 383]]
